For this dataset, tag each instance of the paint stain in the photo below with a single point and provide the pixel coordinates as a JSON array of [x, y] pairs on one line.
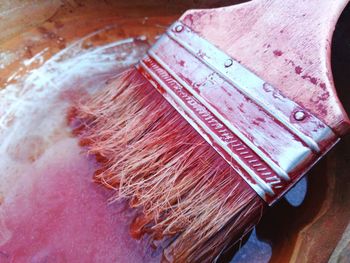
[[277, 53], [323, 86], [312, 79], [51, 210], [298, 70]]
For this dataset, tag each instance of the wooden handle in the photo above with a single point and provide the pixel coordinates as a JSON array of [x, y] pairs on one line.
[[285, 42]]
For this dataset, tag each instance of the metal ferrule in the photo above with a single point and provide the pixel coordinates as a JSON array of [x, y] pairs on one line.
[[267, 138]]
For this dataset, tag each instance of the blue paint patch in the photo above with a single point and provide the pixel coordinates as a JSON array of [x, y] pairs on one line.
[[296, 195], [254, 251]]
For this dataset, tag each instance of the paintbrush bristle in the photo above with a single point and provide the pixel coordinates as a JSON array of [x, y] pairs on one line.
[[188, 194]]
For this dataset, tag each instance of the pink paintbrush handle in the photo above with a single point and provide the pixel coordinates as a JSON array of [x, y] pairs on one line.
[[285, 42]]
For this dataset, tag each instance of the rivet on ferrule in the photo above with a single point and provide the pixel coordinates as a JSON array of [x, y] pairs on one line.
[[228, 63], [179, 28], [299, 115]]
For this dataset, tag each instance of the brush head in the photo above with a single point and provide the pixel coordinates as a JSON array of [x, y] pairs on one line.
[[190, 201]]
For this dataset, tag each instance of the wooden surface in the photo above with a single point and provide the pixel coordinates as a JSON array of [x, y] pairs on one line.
[[315, 231]]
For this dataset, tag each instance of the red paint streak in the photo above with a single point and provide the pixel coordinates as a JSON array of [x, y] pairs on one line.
[[324, 96], [256, 123], [188, 80], [196, 17], [321, 109], [260, 119], [298, 70], [277, 53], [323, 86], [241, 107], [313, 80], [189, 18], [145, 75], [289, 61]]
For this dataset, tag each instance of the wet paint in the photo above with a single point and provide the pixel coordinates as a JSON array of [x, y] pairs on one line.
[[51, 210]]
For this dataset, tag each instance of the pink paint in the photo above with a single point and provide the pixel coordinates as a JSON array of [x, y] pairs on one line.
[[289, 61], [50, 208], [323, 86], [277, 53], [298, 70], [312, 79], [61, 215]]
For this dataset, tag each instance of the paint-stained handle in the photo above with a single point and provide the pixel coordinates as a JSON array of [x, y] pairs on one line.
[[285, 42]]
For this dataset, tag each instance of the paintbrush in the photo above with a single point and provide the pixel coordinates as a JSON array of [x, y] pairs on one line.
[[223, 115]]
